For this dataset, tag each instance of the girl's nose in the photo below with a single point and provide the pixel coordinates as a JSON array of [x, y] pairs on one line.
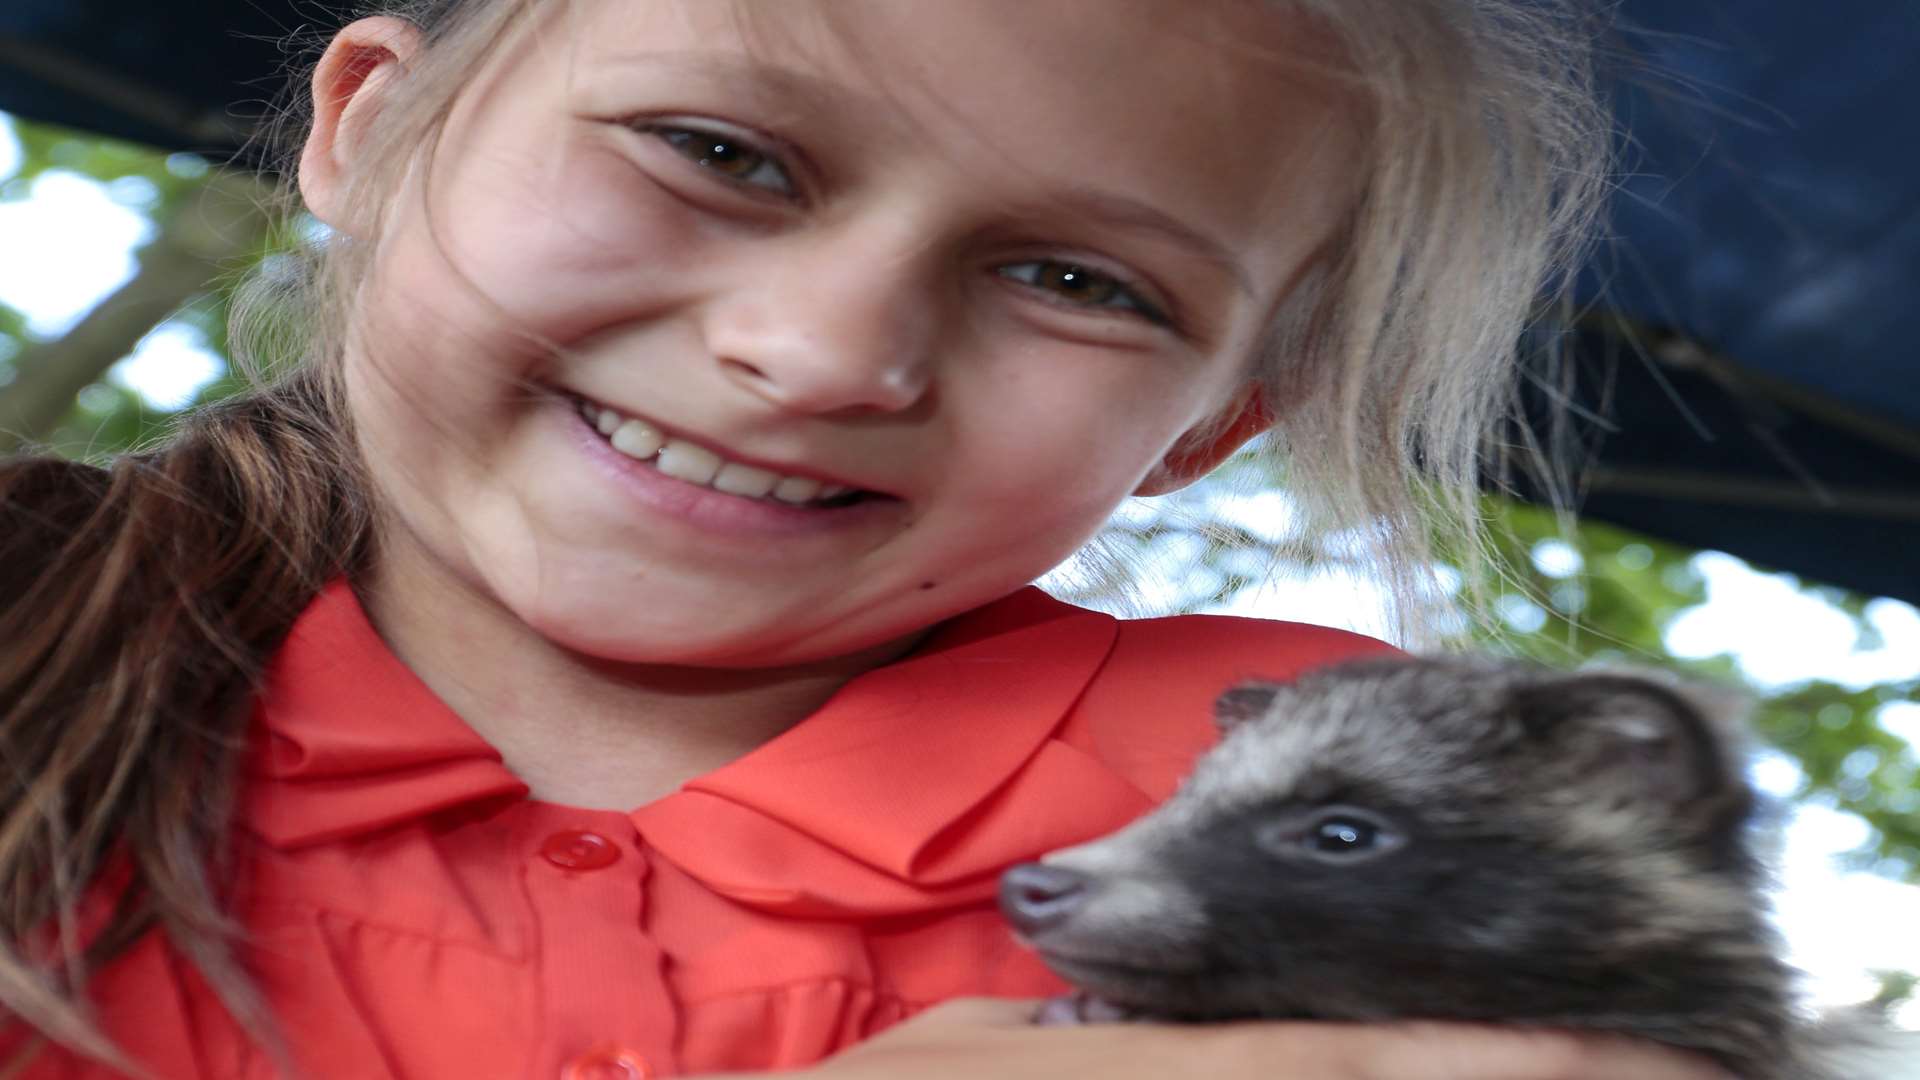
[[829, 324]]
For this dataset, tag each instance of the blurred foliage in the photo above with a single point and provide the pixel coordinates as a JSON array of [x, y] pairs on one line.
[[1895, 987], [107, 417], [1601, 593], [136, 176], [1568, 594]]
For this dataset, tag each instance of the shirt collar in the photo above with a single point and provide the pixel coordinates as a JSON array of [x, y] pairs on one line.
[[908, 789], [348, 741]]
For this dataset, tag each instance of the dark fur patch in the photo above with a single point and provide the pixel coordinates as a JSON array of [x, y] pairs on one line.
[[1567, 850]]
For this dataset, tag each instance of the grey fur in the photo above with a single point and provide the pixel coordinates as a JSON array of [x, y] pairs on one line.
[[1554, 849]]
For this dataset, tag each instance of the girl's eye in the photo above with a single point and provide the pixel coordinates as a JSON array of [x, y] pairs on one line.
[[1082, 287], [732, 157]]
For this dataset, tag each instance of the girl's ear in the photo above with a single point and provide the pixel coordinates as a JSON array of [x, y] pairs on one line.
[[1191, 459], [353, 78]]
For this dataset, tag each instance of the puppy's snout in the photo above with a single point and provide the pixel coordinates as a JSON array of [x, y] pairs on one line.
[[1036, 898]]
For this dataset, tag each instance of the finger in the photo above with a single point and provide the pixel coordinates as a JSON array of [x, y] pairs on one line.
[[981, 1012], [1417, 1051], [1062, 1011], [1639, 1057]]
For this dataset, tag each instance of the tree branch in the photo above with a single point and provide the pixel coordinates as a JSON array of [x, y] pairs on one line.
[[223, 222]]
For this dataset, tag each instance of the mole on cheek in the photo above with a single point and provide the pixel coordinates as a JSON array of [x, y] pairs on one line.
[[925, 585]]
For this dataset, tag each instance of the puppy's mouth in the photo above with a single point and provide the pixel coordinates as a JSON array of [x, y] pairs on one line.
[[693, 463], [1098, 972], [1121, 986], [1111, 990]]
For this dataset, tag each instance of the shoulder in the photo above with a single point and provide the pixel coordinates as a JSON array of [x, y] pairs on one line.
[[1149, 711], [1227, 649]]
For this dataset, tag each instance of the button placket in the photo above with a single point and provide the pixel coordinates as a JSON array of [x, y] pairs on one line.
[[607, 1063], [608, 1012], [580, 849]]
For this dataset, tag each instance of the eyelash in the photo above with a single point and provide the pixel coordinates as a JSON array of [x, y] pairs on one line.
[[718, 151], [715, 151], [1115, 293]]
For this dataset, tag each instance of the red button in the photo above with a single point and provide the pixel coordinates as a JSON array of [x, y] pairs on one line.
[[578, 849], [606, 1063]]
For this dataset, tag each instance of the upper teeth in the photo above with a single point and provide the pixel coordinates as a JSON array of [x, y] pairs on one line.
[[699, 465]]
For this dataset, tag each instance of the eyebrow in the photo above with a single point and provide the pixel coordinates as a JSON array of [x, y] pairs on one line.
[[789, 87], [782, 84]]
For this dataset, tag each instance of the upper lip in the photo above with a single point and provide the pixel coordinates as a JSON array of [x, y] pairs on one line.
[[731, 455]]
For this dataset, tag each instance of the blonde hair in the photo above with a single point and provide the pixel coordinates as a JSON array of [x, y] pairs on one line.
[[1488, 158], [177, 574], [1393, 363]]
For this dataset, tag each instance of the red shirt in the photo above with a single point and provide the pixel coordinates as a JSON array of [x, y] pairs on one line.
[[410, 913]]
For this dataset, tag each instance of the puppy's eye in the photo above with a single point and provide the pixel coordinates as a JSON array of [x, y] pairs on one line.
[[1334, 835], [1340, 836]]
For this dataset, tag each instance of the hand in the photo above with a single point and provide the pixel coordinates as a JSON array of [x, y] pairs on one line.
[[990, 1039]]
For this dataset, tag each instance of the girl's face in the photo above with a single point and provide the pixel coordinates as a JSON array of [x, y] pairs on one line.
[[982, 263]]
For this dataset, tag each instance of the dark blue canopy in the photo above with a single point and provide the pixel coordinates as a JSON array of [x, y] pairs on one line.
[[1749, 355], [1760, 301]]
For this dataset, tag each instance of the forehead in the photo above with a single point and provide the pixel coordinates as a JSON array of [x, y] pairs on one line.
[[1215, 111]]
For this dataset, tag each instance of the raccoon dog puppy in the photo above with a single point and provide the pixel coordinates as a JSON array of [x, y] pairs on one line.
[[1449, 839]]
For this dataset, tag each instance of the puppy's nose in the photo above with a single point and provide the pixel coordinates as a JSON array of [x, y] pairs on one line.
[[1037, 898]]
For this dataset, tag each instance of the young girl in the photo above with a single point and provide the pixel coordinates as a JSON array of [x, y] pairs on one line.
[[608, 654]]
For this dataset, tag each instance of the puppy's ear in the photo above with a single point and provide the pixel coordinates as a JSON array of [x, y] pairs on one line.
[[1638, 735], [1248, 701]]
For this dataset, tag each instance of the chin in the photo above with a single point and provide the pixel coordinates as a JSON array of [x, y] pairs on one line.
[[630, 628], [608, 626]]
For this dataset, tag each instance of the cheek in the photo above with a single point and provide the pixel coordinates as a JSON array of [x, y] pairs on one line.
[[410, 469], [567, 247], [1084, 425]]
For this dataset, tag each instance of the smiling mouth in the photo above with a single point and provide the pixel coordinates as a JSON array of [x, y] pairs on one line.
[[695, 464]]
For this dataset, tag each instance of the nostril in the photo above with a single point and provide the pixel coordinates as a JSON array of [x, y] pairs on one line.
[[1035, 897], [744, 369]]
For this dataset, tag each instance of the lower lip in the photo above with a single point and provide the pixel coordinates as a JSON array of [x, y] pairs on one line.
[[716, 511]]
